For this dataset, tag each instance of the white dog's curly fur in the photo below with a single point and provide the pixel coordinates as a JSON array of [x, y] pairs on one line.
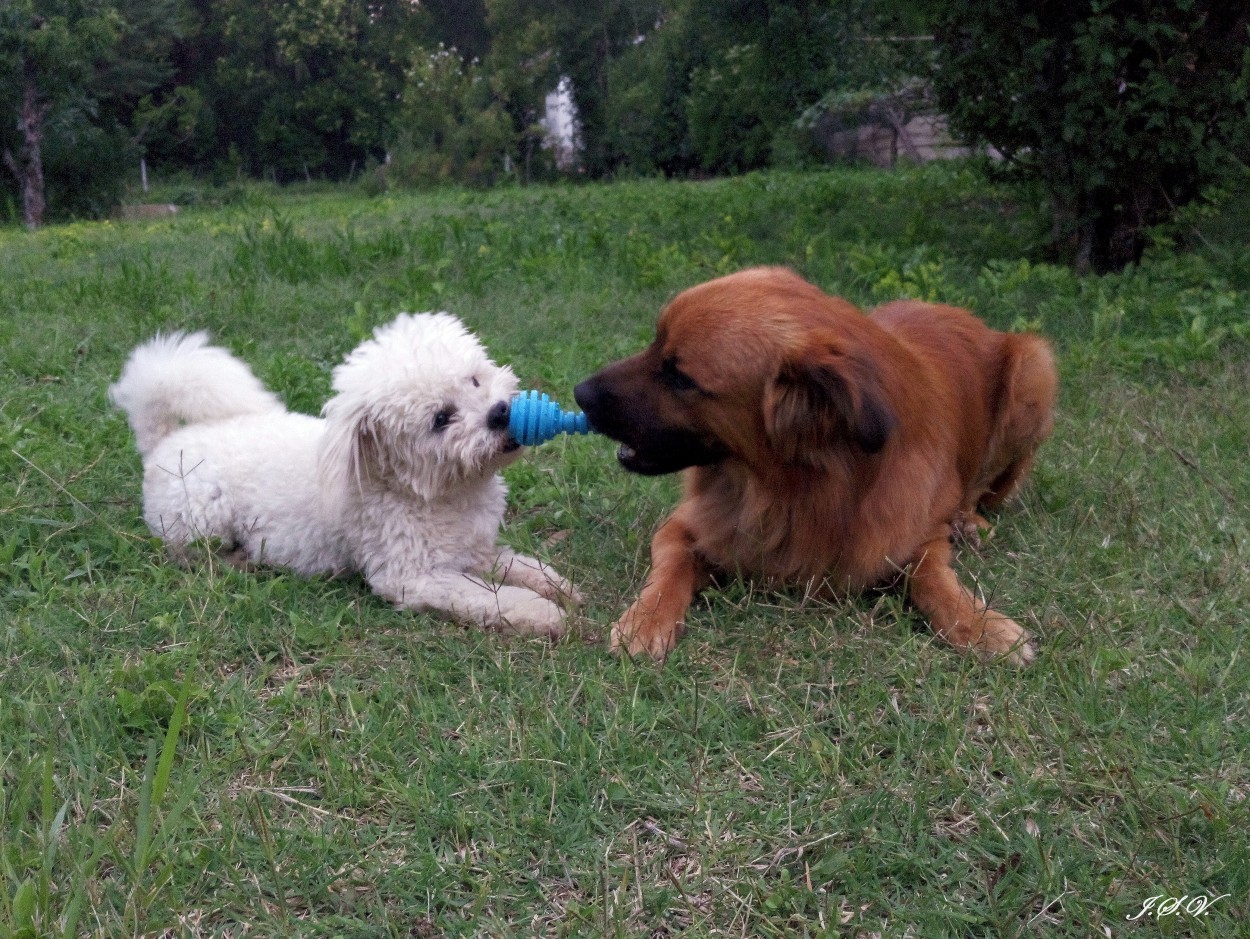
[[398, 480]]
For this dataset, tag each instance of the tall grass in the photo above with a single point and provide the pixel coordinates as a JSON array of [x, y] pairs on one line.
[[205, 753]]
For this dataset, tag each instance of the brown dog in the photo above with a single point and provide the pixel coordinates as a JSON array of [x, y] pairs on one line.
[[824, 446]]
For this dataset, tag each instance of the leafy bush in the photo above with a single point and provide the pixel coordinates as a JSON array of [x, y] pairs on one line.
[[86, 167], [646, 111], [728, 110], [449, 129], [717, 87], [1125, 110]]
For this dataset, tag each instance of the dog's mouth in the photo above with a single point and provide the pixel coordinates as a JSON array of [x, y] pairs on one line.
[[630, 459], [509, 444], [665, 460]]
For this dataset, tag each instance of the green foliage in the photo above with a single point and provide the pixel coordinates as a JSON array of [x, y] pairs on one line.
[[86, 166], [725, 108], [718, 87], [303, 88], [47, 92], [1125, 111], [73, 72], [646, 103], [448, 128], [175, 126], [536, 42], [772, 60], [204, 752]]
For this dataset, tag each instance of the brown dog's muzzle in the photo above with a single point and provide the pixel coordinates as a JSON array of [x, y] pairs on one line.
[[654, 435]]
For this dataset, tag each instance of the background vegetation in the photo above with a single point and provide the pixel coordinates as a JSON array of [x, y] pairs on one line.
[[1126, 111], [204, 753]]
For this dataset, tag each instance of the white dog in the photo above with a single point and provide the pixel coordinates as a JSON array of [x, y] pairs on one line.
[[399, 479]]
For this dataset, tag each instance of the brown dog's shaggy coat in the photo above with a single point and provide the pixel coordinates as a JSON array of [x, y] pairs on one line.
[[824, 446]]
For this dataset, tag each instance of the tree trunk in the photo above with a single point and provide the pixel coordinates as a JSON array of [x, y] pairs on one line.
[[28, 165], [1071, 235], [1097, 234], [1122, 227]]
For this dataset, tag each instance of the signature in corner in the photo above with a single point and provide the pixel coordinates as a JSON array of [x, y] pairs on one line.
[[1163, 905]]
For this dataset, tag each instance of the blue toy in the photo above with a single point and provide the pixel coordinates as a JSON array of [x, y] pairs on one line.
[[536, 419]]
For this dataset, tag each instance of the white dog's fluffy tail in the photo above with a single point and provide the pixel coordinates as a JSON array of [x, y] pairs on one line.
[[176, 379]]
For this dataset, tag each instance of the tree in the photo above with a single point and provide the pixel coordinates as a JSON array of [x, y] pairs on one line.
[[766, 63], [718, 85], [455, 24], [293, 91], [71, 71], [1123, 109], [535, 43], [289, 90], [448, 127], [646, 128], [45, 56]]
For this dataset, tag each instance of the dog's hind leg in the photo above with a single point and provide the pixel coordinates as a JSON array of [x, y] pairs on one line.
[[205, 551], [1025, 417], [967, 526], [957, 615]]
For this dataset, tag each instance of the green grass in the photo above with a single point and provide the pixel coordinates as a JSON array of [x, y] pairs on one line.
[[206, 753]]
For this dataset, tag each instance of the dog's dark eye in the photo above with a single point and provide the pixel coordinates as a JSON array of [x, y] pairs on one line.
[[475, 384], [443, 418], [676, 378]]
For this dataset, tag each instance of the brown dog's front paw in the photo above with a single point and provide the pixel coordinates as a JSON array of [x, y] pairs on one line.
[[642, 632], [1004, 640]]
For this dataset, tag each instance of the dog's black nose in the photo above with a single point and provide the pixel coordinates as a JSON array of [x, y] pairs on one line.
[[497, 417], [588, 395]]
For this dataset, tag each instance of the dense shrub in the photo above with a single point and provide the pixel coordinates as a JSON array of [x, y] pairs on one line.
[[1124, 109], [448, 129]]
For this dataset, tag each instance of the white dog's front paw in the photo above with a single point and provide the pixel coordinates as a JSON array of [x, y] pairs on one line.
[[543, 579], [532, 616], [558, 590]]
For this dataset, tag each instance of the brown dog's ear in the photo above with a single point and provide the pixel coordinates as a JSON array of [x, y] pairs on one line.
[[812, 404]]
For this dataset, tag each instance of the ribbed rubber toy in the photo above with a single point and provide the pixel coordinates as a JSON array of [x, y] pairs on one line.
[[536, 419]]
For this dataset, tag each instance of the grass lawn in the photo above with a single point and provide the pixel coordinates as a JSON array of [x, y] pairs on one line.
[[207, 753]]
